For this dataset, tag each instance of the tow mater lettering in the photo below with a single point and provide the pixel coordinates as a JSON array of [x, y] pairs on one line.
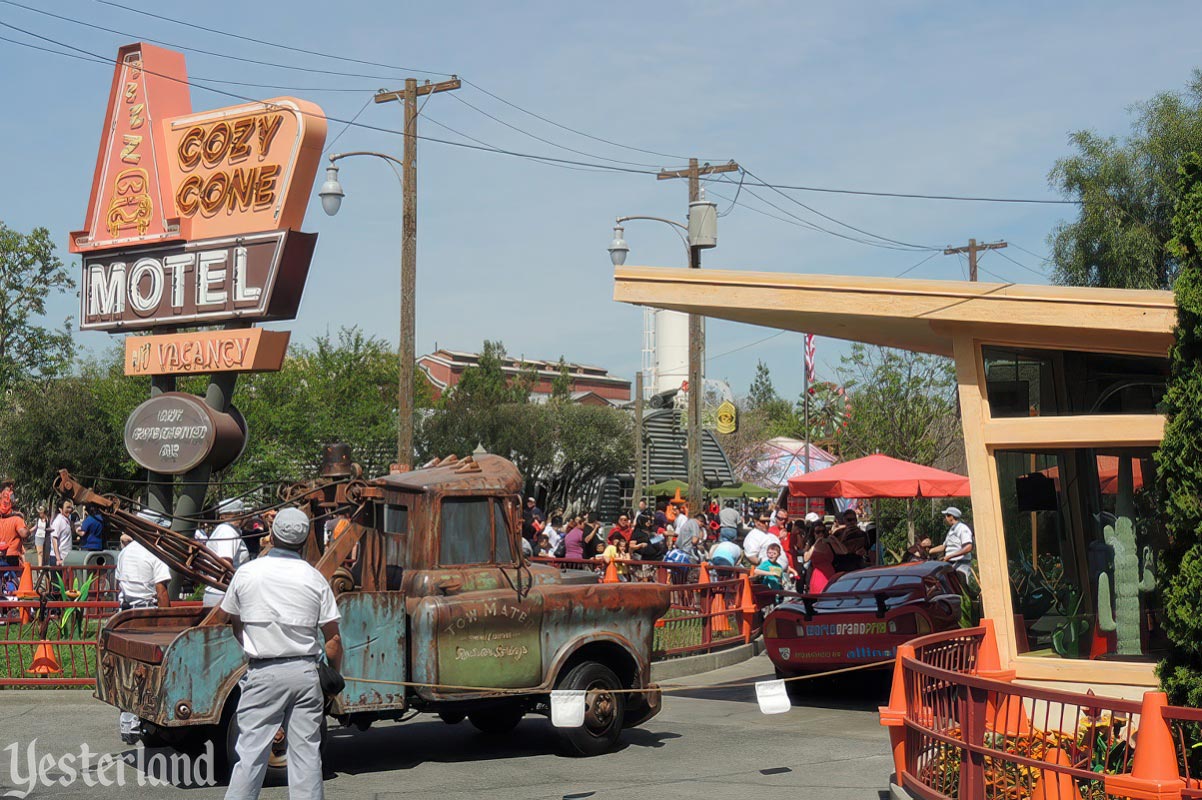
[[466, 616]]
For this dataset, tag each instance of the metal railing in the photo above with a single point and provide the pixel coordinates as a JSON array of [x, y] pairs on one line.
[[960, 728], [712, 607]]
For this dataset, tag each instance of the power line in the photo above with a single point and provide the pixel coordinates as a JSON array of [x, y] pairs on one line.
[[838, 222], [547, 141], [363, 125], [1043, 259], [192, 49], [908, 270], [267, 43], [480, 88], [917, 196], [93, 60], [364, 62], [1022, 265], [745, 346], [816, 227]]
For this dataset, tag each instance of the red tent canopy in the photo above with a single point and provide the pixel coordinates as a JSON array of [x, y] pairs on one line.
[[879, 476]]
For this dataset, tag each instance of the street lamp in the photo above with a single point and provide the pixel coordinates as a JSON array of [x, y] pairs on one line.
[[331, 195], [701, 233]]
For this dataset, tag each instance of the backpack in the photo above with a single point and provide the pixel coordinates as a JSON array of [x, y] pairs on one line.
[[561, 549]]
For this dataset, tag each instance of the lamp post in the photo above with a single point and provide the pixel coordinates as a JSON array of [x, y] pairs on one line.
[[702, 233], [331, 195]]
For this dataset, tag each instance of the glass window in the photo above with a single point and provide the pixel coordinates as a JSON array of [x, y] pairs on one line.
[[1083, 540], [396, 519], [501, 531], [1028, 382], [466, 532]]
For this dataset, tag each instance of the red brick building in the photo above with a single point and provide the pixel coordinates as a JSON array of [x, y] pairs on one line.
[[590, 385]]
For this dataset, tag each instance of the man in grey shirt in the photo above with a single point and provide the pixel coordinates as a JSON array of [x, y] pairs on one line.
[[728, 522]]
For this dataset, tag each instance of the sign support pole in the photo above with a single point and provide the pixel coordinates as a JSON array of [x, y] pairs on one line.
[[161, 487]]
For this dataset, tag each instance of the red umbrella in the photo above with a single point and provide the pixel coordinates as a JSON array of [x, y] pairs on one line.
[[1108, 474], [879, 476]]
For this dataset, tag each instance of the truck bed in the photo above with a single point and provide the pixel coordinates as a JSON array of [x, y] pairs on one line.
[[143, 634]]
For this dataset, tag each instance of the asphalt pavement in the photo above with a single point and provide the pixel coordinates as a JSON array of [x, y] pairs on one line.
[[709, 741]]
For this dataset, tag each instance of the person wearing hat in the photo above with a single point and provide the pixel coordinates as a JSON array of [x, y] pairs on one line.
[[276, 604], [226, 541], [142, 580], [957, 545]]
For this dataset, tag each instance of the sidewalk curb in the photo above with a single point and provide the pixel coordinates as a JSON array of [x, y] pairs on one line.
[[695, 665]]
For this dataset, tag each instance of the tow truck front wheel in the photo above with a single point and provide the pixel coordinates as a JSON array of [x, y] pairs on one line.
[[604, 710]]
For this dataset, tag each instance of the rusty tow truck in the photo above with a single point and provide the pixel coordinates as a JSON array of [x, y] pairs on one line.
[[440, 614]]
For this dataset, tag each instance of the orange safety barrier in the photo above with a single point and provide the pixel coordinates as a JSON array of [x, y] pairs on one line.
[[959, 727]]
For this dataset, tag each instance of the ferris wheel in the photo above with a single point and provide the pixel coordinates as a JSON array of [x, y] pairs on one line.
[[830, 411]]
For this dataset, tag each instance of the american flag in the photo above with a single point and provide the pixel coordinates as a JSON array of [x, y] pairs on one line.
[[810, 357]]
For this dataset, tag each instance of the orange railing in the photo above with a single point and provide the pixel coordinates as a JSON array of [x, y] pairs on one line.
[[712, 607], [960, 728]]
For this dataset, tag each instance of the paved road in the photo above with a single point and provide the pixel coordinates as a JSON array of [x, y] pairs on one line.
[[708, 742]]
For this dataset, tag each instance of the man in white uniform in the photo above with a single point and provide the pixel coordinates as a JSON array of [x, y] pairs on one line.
[[142, 580], [226, 541], [957, 546], [276, 604]]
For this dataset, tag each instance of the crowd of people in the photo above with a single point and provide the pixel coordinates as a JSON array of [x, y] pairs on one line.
[[802, 554]]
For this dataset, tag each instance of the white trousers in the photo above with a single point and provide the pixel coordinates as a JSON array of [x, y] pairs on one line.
[[285, 694]]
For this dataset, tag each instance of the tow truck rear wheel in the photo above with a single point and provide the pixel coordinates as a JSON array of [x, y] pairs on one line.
[[604, 710], [277, 760]]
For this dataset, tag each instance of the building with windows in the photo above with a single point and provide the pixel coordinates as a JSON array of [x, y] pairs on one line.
[[1060, 391], [589, 385]]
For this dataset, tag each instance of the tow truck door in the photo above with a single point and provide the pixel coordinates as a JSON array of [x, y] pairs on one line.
[[482, 631]]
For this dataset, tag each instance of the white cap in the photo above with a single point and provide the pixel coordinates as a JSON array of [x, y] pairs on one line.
[[812, 518], [291, 526], [231, 506], [952, 511]]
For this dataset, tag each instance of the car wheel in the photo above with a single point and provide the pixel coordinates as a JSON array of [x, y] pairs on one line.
[[604, 710], [497, 720], [277, 760], [451, 717]]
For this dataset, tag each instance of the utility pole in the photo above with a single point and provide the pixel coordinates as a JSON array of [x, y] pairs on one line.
[[696, 343], [638, 437], [972, 250], [407, 347]]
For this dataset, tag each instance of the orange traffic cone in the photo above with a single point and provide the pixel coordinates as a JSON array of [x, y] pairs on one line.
[[611, 573], [721, 618], [25, 591], [1055, 785], [747, 607], [44, 662], [703, 573]]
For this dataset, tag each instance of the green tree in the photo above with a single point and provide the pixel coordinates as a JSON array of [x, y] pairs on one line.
[[76, 423], [903, 404], [1179, 459], [30, 272], [762, 392], [1127, 190], [561, 385]]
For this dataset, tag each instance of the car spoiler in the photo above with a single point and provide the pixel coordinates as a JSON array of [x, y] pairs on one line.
[[881, 596]]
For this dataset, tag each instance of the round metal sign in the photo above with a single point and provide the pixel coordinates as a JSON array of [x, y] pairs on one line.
[[176, 432]]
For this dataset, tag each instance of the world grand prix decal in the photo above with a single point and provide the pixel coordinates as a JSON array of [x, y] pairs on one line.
[[193, 222]]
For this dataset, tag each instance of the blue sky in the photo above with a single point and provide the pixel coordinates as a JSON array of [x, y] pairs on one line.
[[934, 97]]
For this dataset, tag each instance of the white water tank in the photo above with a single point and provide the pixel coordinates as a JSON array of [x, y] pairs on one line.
[[671, 350]]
